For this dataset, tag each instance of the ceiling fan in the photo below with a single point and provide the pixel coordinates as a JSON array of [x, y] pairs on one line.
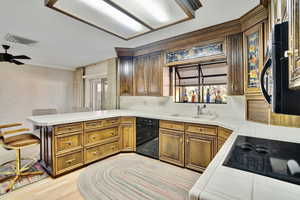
[[6, 57]]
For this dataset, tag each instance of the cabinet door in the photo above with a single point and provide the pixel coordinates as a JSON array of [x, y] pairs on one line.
[[294, 43], [140, 75], [257, 109], [235, 65], [199, 151], [253, 58], [126, 75], [154, 71], [171, 146], [128, 137]]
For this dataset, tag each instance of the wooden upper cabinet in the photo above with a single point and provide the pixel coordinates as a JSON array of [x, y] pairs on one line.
[[294, 43], [235, 64], [155, 70], [140, 75], [253, 58], [148, 76], [126, 75]]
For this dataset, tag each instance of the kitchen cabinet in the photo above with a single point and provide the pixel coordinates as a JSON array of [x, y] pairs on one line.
[[257, 109], [171, 146], [125, 67], [235, 85], [253, 57], [140, 75], [199, 150], [223, 135], [128, 133], [155, 71], [293, 9], [148, 74]]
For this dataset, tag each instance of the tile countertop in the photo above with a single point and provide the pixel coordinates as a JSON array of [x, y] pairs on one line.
[[217, 182]]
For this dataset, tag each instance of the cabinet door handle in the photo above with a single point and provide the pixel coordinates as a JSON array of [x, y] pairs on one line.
[[68, 142], [288, 53], [70, 161]]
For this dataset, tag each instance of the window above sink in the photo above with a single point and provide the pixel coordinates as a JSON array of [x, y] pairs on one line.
[[200, 83]]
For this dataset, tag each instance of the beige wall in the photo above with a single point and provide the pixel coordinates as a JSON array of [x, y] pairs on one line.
[[24, 88]]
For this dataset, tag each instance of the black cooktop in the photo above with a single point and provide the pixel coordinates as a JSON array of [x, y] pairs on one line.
[[275, 159]]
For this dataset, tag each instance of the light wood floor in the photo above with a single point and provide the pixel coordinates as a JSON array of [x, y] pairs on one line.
[[63, 188]]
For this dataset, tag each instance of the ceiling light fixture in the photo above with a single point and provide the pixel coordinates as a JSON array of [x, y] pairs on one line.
[[114, 13], [155, 9]]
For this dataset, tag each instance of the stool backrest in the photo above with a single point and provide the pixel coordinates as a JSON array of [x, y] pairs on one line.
[[37, 112]]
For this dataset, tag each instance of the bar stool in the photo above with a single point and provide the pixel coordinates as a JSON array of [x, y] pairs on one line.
[[17, 142]]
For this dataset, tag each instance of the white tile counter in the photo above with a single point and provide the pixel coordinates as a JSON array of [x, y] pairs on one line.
[[217, 182]]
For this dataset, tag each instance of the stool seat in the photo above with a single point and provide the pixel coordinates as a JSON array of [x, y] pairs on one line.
[[20, 141]]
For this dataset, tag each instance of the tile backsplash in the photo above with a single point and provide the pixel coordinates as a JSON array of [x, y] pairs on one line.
[[235, 108]]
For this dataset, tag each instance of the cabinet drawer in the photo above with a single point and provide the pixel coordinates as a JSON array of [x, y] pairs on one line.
[[202, 129], [224, 133], [68, 142], [95, 153], [68, 128], [127, 120], [178, 126], [101, 136], [111, 122], [93, 124], [68, 162]]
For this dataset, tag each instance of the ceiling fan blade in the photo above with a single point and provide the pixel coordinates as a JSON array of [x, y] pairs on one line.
[[21, 57], [16, 62]]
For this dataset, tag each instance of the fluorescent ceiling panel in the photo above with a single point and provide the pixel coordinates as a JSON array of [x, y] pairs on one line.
[[102, 15], [155, 13]]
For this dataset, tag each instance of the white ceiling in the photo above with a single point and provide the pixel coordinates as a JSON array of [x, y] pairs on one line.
[[66, 43]]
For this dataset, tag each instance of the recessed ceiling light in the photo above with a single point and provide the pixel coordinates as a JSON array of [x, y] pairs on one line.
[[114, 13]]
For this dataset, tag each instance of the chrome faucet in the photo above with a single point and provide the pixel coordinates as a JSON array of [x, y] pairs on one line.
[[200, 109]]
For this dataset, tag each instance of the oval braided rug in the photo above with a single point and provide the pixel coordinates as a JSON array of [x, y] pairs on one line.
[[135, 177]]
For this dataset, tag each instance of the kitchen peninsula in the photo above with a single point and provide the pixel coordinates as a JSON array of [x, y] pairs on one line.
[[213, 181]]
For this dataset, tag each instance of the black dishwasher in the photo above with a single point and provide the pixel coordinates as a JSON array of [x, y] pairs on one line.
[[147, 140]]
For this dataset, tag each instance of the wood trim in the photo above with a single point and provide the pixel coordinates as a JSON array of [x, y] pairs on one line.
[[50, 2], [187, 10], [122, 52], [265, 3], [258, 28], [188, 39], [253, 17]]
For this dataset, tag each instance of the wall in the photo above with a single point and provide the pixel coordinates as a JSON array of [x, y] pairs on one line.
[[105, 69], [25, 88], [234, 109]]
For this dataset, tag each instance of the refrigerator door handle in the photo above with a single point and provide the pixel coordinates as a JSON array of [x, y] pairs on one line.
[[262, 80]]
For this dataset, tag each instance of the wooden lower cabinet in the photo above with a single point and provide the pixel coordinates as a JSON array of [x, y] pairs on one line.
[[199, 150], [68, 162], [95, 153], [171, 146], [223, 135], [128, 137]]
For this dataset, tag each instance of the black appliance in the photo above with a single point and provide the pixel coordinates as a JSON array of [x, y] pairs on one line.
[[275, 159], [147, 137], [283, 100]]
